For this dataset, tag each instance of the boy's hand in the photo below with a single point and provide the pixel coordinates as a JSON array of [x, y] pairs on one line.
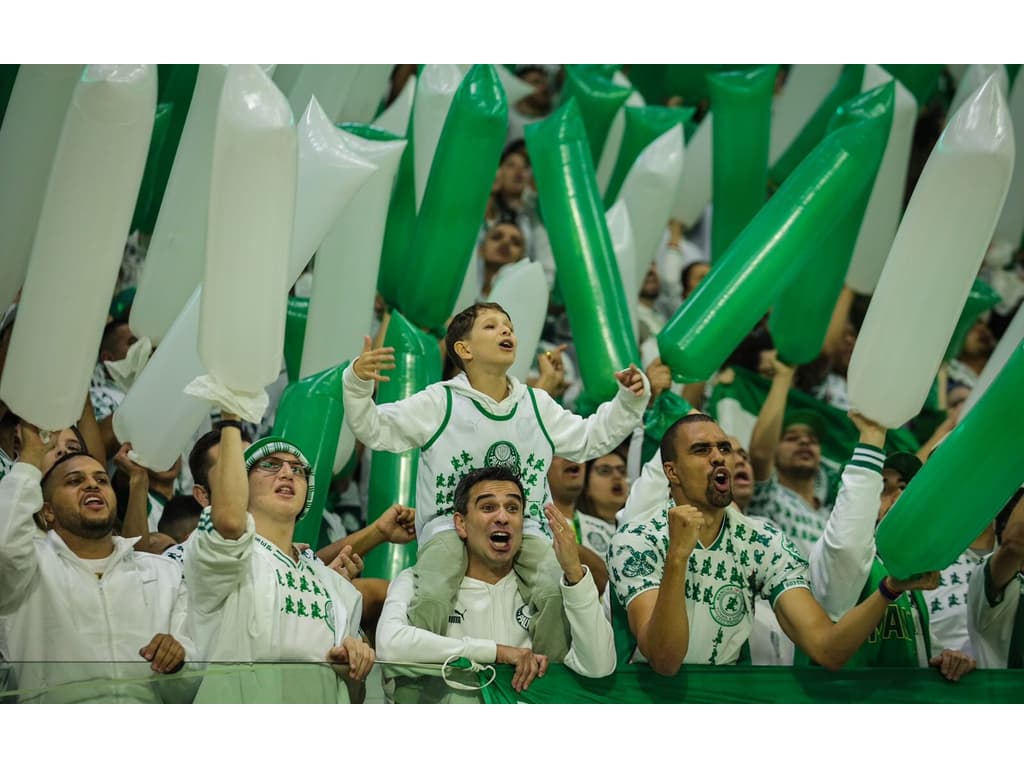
[[631, 379], [348, 564], [371, 361], [564, 535], [397, 524]]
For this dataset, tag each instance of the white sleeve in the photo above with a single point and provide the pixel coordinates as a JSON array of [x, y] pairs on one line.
[[399, 641], [592, 653], [579, 439], [20, 497], [215, 566], [990, 625], [648, 494], [840, 560], [393, 427]]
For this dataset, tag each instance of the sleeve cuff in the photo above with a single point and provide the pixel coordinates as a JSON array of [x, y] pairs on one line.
[[868, 457]]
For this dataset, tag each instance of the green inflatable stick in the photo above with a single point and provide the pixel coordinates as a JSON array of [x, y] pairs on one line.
[[981, 299], [455, 199], [919, 79], [801, 316], [8, 74], [587, 269], [295, 334], [401, 220], [643, 125], [606, 71], [769, 252], [689, 81], [598, 99], [310, 415], [144, 202], [742, 105], [846, 87], [1011, 72], [941, 511], [393, 475]]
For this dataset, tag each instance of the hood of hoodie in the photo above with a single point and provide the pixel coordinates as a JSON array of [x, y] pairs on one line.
[[517, 392]]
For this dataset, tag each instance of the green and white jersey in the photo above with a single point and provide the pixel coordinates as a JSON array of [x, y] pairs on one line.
[[995, 620], [471, 437], [105, 395], [6, 463], [947, 604], [749, 557], [594, 533], [306, 626], [802, 523]]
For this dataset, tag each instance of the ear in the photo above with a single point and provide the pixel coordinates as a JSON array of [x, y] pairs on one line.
[[199, 494], [47, 514], [462, 350], [460, 525], [670, 473], [105, 356]]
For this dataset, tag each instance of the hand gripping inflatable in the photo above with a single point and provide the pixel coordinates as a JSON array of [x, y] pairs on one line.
[[845, 88], [621, 231], [28, 139], [941, 511], [949, 221], [974, 77], [175, 85], [522, 290], [295, 324], [597, 99], [770, 252], [347, 262], [252, 205], [642, 126], [695, 185], [919, 79], [885, 206], [802, 314], [649, 191], [613, 144], [1010, 227], [587, 272], [742, 101], [453, 206], [177, 250], [435, 92], [83, 223], [806, 87], [393, 475], [401, 217], [1013, 336], [980, 299], [310, 415]]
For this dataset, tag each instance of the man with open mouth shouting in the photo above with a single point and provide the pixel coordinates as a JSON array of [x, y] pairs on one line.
[[490, 621], [689, 574]]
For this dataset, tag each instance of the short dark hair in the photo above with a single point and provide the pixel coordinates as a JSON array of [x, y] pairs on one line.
[[483, 475], [461, 325], [44, 482], [668, 440], [180, 517], [199, 458], [1004, 514], [107, 339], [515, 147]]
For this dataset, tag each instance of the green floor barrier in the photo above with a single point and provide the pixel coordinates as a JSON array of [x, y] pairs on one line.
[[742, 103], [310, 415], [643, 125], [598, 99], [459, 185], [588, 272], [768, 254], [801, 316], [981, 299], [814, 130], [943, 510], [393, 475], [638, 684]]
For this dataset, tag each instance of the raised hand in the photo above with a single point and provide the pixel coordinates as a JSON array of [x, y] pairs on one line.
[[371, 362], [684, 524], [397, 524], [631, 379], [566, 550]]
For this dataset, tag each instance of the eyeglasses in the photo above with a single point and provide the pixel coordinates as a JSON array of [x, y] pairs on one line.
[[273, 466], [607, 470]]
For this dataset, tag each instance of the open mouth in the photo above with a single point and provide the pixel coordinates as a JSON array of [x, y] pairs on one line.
[[501, 540], [507, 344], [285, 490], [720, 478], [741, 476], [618, 489], [94, 501], [573, 470]]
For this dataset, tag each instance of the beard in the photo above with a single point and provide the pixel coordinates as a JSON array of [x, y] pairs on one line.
[[716, 498], [89, 528]]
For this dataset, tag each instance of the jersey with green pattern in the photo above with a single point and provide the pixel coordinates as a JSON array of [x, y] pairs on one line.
[[947, 603], [749, 557], [795, 517], [901, 637]]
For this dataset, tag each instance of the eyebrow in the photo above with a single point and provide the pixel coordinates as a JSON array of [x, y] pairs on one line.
[[707, 444], [483, 496]]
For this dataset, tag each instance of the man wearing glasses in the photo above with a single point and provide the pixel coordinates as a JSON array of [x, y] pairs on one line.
[[255, 597]]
